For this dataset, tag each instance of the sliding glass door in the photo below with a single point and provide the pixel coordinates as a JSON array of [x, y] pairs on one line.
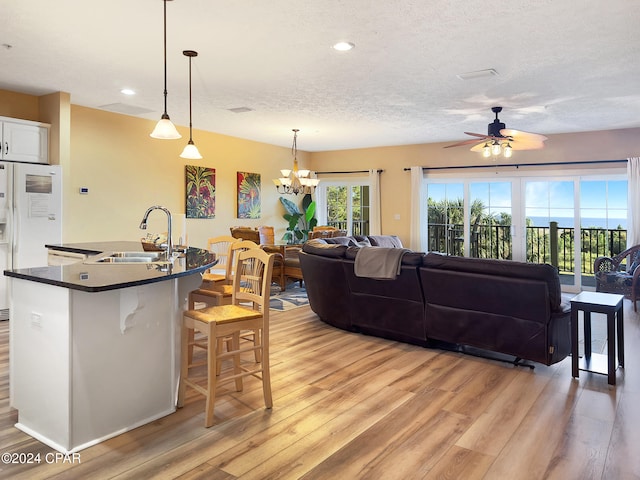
[[490, 220], [566, 221], [445, 213], [550, 217], [481, 212]]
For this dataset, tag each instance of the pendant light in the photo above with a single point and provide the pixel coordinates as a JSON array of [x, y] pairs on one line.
[[190, 150], [165, 130]]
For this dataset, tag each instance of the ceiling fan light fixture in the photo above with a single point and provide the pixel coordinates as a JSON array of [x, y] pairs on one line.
[[507, 151], [486, 150], [496, 148]]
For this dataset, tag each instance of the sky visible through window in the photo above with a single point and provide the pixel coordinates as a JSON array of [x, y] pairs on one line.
[[602, 203]]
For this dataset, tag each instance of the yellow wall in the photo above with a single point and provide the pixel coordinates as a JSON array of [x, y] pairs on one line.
[[395, 182], [127, 171], [19, 105]]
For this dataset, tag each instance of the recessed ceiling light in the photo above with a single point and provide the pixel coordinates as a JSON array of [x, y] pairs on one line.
[[343, 46], [127, 91]]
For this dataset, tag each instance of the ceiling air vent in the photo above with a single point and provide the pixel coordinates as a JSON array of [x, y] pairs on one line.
[[240, 109], [490, 72]]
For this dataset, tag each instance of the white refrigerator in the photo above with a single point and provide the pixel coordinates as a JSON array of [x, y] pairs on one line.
[[30, 217]]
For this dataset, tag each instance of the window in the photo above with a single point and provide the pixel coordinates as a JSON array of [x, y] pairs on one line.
[[344, 205], [445, 213], [531, 218]]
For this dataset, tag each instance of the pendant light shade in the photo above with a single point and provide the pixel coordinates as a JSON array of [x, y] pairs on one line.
[[190, 151], [165, 130]]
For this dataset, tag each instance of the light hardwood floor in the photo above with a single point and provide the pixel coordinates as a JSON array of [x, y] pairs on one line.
[[349, 406]]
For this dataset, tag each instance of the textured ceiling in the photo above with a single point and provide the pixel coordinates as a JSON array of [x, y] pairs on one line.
[[563, 66]]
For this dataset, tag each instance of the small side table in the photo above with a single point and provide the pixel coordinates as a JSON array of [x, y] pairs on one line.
[[611, 305]]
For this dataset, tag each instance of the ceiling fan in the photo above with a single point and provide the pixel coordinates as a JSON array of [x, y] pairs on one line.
[[501, 140]]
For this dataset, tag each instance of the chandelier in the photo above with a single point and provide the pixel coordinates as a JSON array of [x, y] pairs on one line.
[[295, 181], [496, 148]]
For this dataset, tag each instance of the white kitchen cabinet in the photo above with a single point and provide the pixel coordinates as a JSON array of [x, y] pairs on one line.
[[24, 141]]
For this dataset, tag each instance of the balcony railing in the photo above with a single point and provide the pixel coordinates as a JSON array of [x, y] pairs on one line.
[[554, 245], [357, 227]]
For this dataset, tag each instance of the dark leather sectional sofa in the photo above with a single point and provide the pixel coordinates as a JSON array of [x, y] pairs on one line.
[[508, 307]]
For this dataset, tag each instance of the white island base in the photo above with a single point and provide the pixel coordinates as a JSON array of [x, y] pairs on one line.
[[87, 366]]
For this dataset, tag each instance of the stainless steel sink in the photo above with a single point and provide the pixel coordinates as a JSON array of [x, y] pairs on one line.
[[153, 255], [129, 257], [126, 260]]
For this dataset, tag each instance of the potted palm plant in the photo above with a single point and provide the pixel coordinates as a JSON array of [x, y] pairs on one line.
[[301, 220]]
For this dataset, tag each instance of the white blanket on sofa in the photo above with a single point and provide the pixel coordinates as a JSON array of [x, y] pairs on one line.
[[379, 262]]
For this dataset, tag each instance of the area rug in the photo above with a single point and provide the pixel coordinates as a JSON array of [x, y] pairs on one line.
[[293, 297]]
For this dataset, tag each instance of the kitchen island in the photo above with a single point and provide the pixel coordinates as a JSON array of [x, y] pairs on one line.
[[94, 346]]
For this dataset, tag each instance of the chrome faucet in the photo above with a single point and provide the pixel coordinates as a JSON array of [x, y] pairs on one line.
[[143, 226]]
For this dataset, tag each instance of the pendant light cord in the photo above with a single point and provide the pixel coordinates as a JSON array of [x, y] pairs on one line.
[[190, 124], [165, 115]]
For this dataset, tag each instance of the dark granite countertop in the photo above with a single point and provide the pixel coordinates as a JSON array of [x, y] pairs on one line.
[[91, 277]]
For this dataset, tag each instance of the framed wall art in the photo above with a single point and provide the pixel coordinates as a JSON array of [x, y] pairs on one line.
[[201, 191], [249, 203]]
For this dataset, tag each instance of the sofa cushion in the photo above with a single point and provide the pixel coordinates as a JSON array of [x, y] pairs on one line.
[[503, 268], [319, 246], [390, 241], [340, 240]]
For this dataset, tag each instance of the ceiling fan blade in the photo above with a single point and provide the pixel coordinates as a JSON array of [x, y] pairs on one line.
[[481, 135], [465, 142], [519, 134], [478, 147]]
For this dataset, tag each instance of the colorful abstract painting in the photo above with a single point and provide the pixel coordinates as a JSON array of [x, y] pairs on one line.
[[249, 204], [201, 192]]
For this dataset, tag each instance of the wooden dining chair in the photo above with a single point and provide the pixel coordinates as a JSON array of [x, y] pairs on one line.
[[267, 235], [245, 233], [224, 325]]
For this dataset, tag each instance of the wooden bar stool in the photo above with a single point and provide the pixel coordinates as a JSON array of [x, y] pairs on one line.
[[219, 246], [248, 312], [219, 293]]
